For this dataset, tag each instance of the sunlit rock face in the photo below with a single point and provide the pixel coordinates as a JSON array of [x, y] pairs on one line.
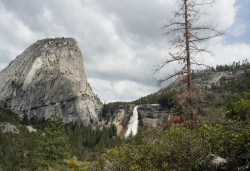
[[48, 75], [128, 119]]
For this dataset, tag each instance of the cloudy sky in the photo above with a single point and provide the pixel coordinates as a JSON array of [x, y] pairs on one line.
[[121, 41]]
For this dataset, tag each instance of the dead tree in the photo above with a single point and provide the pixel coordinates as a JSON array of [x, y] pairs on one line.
[[188, 36]]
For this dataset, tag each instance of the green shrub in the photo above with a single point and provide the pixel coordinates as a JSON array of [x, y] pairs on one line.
[[239, 110], [177, 148]]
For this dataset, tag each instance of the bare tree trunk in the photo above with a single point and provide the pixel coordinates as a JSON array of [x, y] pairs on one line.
[[187, 48], [187, 34]]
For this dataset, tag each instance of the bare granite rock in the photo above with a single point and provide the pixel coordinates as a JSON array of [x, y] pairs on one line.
[[50, 74], [149, 115], [31, 129], [7, 127]]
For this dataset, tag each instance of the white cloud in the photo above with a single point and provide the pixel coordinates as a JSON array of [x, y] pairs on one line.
[[48, 22], [125, 90], [14, 37], [229, 53], [222, 14]]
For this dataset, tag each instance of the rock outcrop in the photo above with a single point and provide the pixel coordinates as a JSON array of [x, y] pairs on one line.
[[150, 115], [31, 129], [120, 119], [7, 127], [50, 74]]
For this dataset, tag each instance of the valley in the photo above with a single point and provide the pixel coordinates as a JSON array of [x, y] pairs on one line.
[[50, 118]]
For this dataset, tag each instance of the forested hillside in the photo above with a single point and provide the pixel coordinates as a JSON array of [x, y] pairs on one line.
[[49, 142], [221, 130]]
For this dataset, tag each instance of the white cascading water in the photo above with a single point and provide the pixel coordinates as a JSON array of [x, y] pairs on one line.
[[133, 123]]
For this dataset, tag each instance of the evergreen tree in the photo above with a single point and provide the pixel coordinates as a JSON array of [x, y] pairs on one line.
[[56, 144]]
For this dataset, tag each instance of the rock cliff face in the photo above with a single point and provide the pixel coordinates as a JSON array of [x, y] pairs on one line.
[[149, 115], [50, 74]]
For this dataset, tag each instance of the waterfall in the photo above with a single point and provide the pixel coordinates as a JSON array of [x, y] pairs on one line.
[[133, 123]]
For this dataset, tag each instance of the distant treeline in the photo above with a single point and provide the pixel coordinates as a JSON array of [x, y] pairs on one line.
[[235, 66]]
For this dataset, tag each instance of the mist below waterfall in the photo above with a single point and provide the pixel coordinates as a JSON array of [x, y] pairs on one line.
[[133, 123]]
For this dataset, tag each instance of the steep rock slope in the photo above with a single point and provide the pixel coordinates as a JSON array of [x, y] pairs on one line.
[[50, 73], [149, 115]]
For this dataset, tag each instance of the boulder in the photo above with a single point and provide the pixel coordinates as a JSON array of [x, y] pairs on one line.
[[7, 127]]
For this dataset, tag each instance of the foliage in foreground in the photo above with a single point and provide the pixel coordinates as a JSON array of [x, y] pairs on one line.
[[239, 110], [180, 149], [51, 144], [37, 149]]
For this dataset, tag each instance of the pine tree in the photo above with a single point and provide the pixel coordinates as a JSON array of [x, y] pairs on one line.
[[56, 144]]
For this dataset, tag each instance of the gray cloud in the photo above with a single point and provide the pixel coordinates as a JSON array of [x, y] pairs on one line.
[[140, 19], [121, 41]]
